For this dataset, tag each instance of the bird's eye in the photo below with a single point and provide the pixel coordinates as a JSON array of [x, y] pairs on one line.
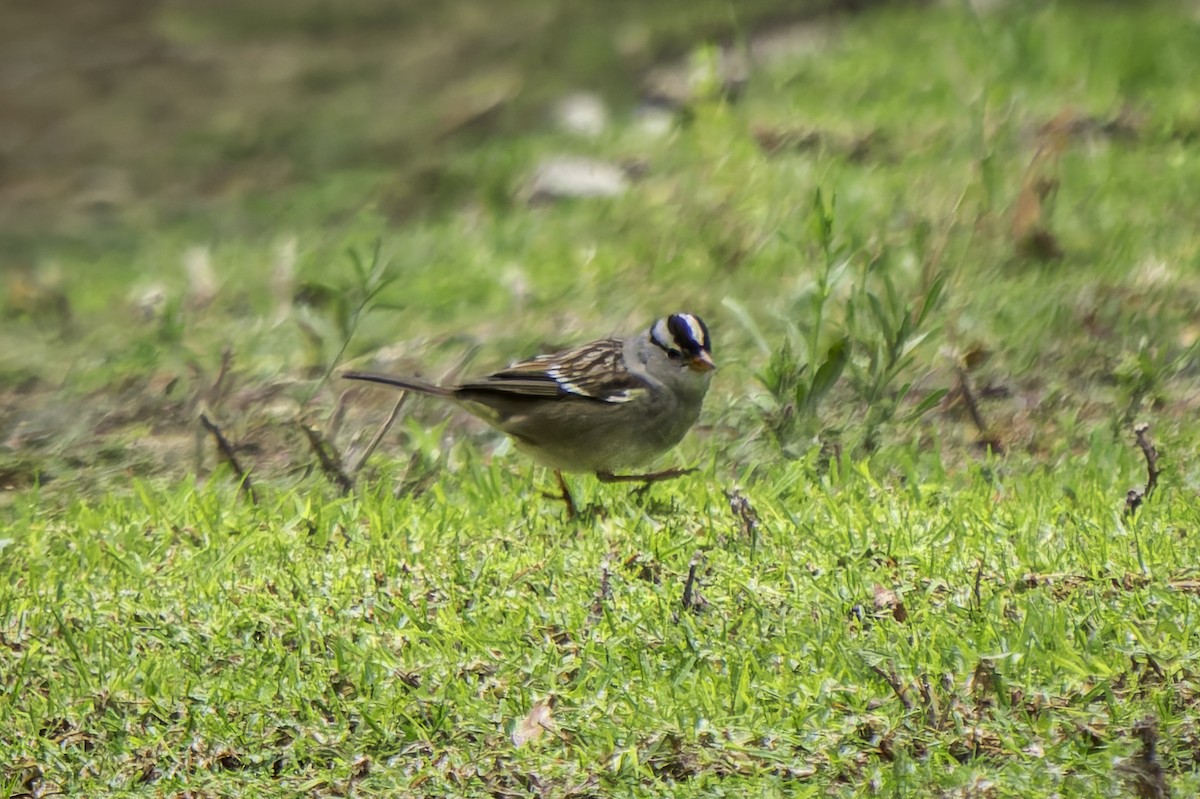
[[674, 355]]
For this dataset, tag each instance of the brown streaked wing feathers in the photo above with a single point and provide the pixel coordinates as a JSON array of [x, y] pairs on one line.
[[592, 371]]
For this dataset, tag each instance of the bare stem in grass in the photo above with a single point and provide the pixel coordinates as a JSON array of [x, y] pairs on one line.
[[331, 460], [1136, 496], [217, 390], [976, 589], [380, 433], [929, 699], [1142, 431], [743, 512], [986, 437], [395, 413], [226, 450], [603, 595], [691, 595], [893, 680]]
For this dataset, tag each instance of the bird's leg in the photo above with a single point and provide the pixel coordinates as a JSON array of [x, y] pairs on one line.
[[565, 495], [652, 477]]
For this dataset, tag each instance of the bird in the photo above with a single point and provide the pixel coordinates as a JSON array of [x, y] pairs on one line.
[[611, 404]]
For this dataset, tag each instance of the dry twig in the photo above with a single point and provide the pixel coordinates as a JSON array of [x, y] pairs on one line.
[[893, 680], [226, 450], [380, 433], [604, 594], [1136, 496], [986, 437], [331, 460], [743, 511], [217, 390], [1142, 431], [976, 591], [395, 413], [691, 595]]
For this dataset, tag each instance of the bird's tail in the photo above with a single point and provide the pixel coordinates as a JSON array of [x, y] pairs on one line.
[[406, 383]]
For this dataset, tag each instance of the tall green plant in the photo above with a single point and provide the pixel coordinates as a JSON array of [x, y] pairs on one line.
[[348, 304], [805, 367], [871, 333], [887, 328]]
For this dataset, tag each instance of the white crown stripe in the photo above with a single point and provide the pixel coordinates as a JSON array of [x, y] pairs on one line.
[[694, 328], [662, 334]]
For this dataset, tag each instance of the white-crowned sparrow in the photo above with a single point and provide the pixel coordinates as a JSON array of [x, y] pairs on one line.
[[613, 403]]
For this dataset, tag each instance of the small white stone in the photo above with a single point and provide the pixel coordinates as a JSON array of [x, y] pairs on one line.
[[560, 177], [149, 301], [202, 281], [582, 114]]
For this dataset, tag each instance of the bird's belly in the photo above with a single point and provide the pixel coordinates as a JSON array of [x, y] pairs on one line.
[[602, 447]]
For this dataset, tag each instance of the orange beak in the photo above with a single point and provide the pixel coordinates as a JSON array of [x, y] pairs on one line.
[[702, 363]]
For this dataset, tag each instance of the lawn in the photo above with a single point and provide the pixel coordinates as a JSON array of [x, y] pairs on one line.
[[950, 265]]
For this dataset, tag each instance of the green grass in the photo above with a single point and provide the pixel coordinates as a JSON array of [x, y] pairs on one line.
[[911, 615], [178, 638]]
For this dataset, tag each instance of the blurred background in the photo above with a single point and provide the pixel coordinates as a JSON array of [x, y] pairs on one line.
[[132, 112], [215, 206]]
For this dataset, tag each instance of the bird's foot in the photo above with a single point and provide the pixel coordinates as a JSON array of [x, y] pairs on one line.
[[564, 494]]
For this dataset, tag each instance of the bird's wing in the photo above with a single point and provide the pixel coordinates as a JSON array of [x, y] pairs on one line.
[[594, 371]]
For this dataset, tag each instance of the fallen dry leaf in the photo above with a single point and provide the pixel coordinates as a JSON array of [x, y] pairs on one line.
[[532, 726], [887, 599]]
